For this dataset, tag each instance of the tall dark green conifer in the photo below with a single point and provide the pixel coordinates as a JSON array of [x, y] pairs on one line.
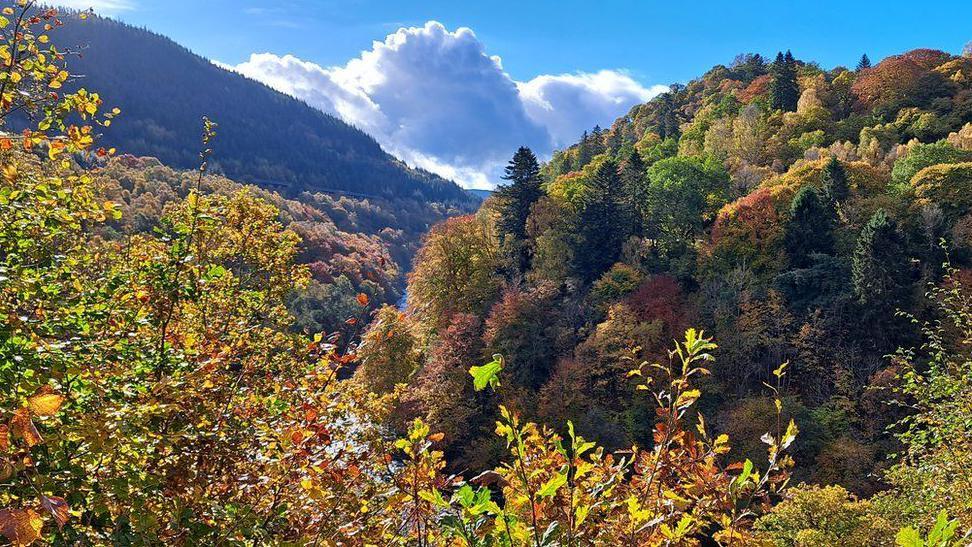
[[881, 271], [785, 89], [633, 173], [810, 229], [835, 185], [584, 152], [515, 198], [864, 63], [601, 226]]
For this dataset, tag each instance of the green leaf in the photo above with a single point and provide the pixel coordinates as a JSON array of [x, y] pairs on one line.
[[909, 537], [550, 487], [487, 375]]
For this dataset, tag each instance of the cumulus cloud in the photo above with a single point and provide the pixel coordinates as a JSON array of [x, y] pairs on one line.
[[439, 101]]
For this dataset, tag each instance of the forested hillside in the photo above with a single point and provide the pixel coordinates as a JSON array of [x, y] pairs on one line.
[[550, 382], [269, 139]]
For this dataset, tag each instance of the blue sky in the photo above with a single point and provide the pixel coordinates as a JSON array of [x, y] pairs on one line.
[[529, 72]]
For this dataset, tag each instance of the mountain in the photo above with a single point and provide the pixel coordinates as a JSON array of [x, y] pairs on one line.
[[264, 137]]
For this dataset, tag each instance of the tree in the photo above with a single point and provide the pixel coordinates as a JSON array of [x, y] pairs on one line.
[[602, 225], [684, 194], [864, 63], [514, 202], [785, 91], [633, 175], [810, 228], [881, 270], [835, 185]]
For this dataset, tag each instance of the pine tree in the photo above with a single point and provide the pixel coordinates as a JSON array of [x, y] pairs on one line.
[[601, 226], [864, 63], [835, 185], [633, 174], [810, 229], [785, 89], [880, 269], [516, 198], [584, 152]]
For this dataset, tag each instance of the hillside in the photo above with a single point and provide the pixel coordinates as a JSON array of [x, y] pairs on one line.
[[742, 316], [267, 138]]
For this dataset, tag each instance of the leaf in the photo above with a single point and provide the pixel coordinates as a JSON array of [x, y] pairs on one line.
[[908, 537], [23, 428], [486, 375], [362, 299], [550, 487], [688, 398], [58, 508], [21, 526], [45, 402]]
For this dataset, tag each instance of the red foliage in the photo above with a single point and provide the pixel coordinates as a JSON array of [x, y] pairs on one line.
[[901, 80], [756, 88], [752, 217], [660, 298]]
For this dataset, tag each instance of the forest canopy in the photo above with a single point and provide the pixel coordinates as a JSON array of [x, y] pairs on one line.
[[739, 316]]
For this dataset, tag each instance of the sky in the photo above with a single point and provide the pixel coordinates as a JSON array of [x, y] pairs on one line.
[[455, 86]]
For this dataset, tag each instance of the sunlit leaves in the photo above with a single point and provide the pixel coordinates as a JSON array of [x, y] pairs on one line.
[[21, 526], [488, 374]]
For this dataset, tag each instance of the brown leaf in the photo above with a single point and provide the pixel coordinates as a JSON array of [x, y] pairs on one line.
[[4, 438], [23, 428], [489, 478], [21, 526], [58, 509], [45, 402]]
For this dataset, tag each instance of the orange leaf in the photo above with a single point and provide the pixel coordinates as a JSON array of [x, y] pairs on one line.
[[58, 509], [362, 299], [45, 402], [436, 437], [4, 438], [21, 526], [23, 428]]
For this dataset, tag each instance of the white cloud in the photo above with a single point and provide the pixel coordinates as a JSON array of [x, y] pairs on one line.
[[436, 99], [570, 103], [99, 6]]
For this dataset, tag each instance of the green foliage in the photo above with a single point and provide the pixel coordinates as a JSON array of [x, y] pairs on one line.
[[785, 92], [829, 515], [921, 156], [810, 228], [881, 272]]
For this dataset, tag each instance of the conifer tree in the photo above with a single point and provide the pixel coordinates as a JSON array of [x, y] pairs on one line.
[[516, 198], [864, 63], [584, 152], [785, 89], [602, 226], [810, 230], [835, 185], [880, 269], [633, 173]]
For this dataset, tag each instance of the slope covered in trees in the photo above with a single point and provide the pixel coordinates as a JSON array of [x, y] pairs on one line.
[[154, 390], [797, 214], [269, 139]]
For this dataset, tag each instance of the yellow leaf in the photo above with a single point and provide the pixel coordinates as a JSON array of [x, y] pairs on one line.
[[43, 39], [45, 402]]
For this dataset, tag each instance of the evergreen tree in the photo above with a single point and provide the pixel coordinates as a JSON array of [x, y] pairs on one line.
[[633, 174], [810, 230], [668, 118], [516, 198], [584, 152], [880, 270], [835, 185], [864, 63], [601, 226], [785, 89]]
